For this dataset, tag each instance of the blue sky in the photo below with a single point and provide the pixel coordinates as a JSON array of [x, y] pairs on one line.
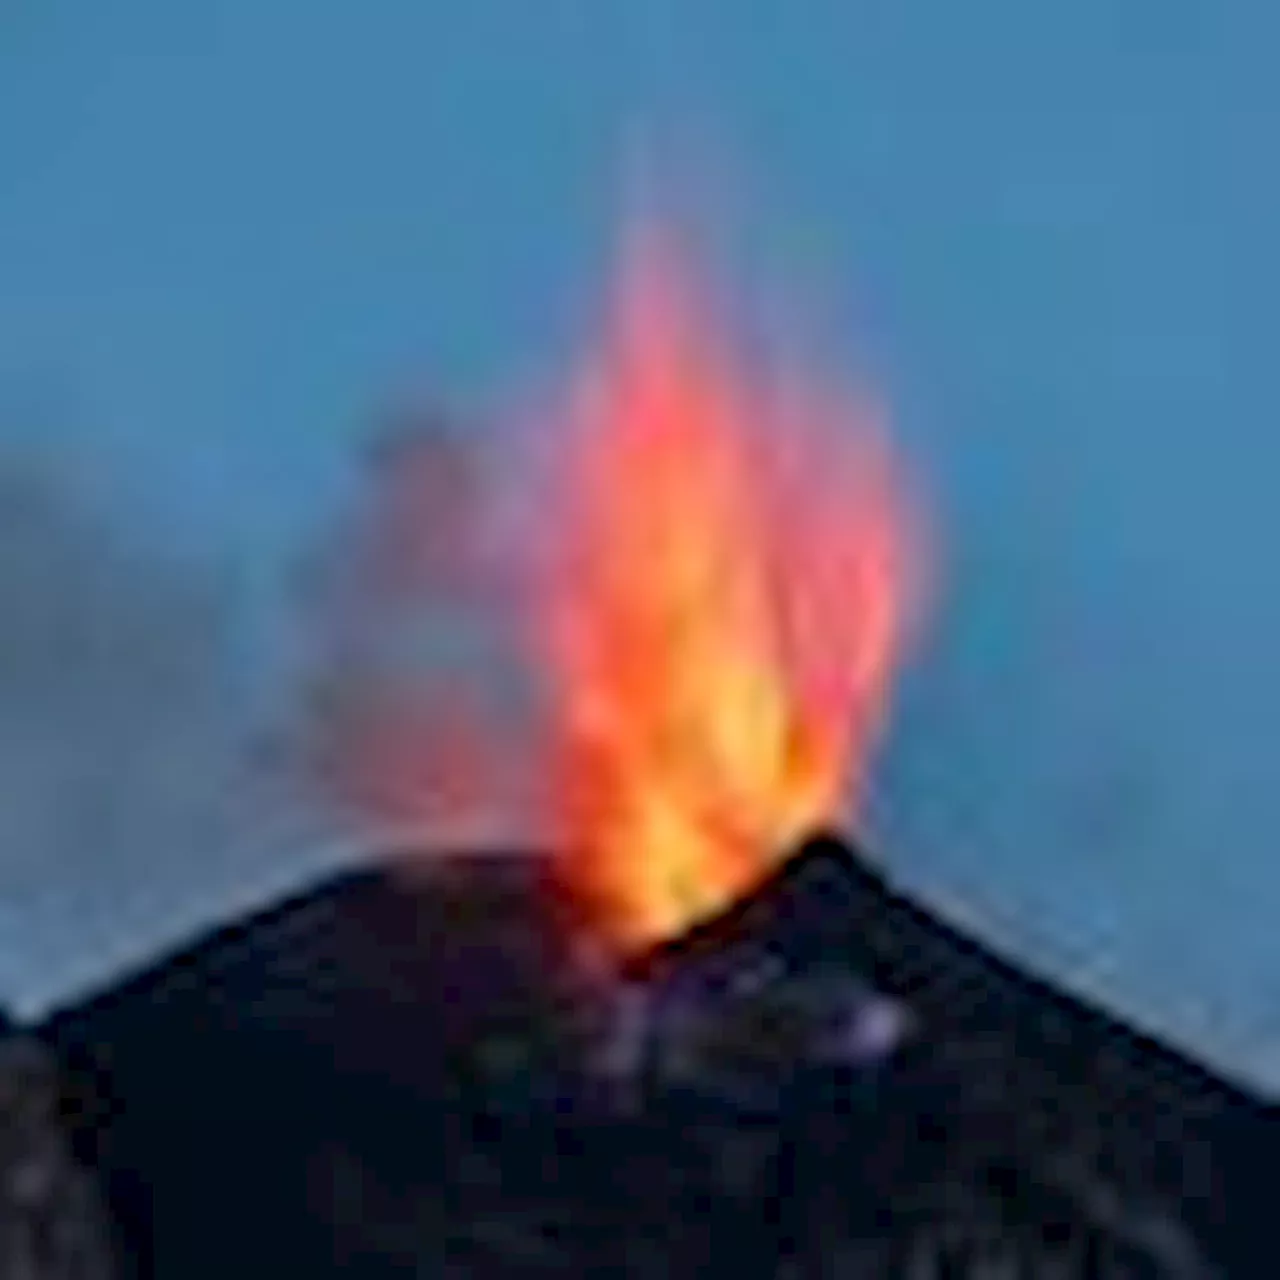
[[231, 232]]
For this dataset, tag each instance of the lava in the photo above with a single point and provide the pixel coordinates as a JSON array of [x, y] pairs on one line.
[[732, 556]]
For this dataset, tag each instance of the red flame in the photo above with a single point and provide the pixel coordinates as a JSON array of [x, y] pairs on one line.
[[729, 573], [725, 619]]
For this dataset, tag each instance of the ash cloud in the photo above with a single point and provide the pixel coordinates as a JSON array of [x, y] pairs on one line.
[[128, 801], [418, 704]]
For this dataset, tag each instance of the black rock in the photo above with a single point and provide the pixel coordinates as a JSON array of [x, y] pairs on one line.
[[241, 1083], [386, 1076], [53, 1225]]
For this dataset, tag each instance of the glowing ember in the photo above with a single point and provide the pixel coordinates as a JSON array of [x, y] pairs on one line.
[[726, 610]]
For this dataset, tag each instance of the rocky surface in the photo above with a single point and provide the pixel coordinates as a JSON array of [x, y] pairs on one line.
[[387, 1078], [52, 1221]]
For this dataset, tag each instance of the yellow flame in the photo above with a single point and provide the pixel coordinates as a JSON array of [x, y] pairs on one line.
[[725, 616]]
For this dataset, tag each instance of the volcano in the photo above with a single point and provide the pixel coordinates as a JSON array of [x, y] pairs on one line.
[[689, 1039], [385, 1077]]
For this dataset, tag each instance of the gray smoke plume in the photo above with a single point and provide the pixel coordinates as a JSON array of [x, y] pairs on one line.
[[130, 806]]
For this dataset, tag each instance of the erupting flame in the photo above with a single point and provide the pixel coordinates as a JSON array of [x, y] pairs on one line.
[[727, 605], [724, 600]]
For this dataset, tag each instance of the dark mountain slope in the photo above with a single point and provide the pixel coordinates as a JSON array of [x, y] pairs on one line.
[[380, 1077]]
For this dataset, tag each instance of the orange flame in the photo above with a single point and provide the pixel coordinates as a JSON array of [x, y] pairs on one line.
[[729, 599], [729, 574]]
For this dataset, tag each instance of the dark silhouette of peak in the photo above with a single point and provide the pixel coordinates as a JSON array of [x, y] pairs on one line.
[[387, 1074]]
